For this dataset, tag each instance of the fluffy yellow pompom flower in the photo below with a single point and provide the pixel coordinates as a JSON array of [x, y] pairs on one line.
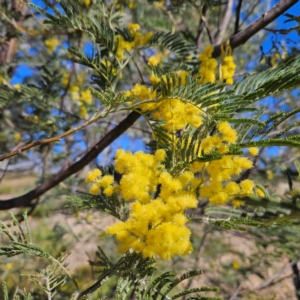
[[95, 189], [253, 151], [51, 44], [109, 190], [154, 79], [228, 133], [247, 187], [270, 175], [153, 61], [17, 137], [133, 27], [260, 193], [86, 96], [93, 175]]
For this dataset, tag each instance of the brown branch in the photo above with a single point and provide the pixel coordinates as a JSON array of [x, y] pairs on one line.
[[225, 22], [201, 25], [67, 171], [270, 281], [296, 279], [266, 18], [51, 140], [237, 17]]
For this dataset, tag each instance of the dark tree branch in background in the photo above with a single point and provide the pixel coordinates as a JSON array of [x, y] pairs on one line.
[[236, 40], [201, 26], [296, 278], [237, 17], [66, 172], [224, 24], [250, 12], [282, 31], [266, 18]]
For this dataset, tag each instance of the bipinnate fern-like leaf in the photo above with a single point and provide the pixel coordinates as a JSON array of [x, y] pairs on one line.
[[172, 42], [95, 23], [110, 205], [284, 77], [25, 295], [256, 211], [49, 279], [21, 243]]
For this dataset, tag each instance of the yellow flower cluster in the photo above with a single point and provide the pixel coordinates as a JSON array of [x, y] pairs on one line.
[[217, 189], [154, 60], [157, 223], [139, 40], [87, 2], [31, 118], [17, 137], [215, 175], [85, 98], [208, 67], [155, 226], [227, 69], [253, 151], [51, 44], [176, 113], [100, 182], [221, 141]]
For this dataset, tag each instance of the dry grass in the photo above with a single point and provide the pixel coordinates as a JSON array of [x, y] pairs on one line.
[[14, 185]]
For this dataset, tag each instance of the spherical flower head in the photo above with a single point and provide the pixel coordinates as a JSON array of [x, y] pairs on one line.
[[207, 52], [220, 198], [154, 79], [105, 181], [228, 133], [270, 175], [243, 162], [133, 27], [196, 121], [229, 81], [51, 44], [232, 188], [17, 137], [211, 63], [144, 93], [160, 155], [247, 187], [147, 37], [95, 189], [93, 175], [197, 166], [153, 61], [237, 203], [260, 193], [108, 191], [136, 90], [86, 96], [228, 59], [253, 151], [186, 177]]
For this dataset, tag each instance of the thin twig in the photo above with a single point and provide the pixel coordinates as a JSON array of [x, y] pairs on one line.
[[260, 23], [237, 17], [52, 140], [224, 24], [271, 279]]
